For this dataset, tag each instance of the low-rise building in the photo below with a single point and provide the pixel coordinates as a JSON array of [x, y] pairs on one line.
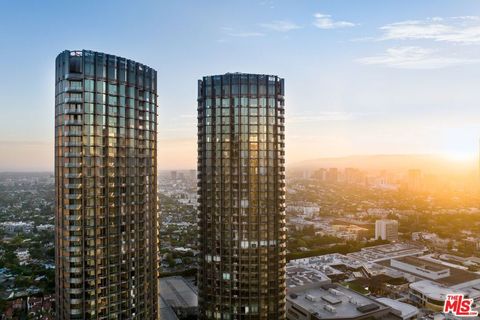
[[23, 256], [350, 232], [178, 295], [388, 251], [300, 276], [403, 310], [332, 301], [432, 282], [421, 267]]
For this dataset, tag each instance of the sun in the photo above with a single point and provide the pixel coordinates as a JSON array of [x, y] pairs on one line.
[[460, 156]]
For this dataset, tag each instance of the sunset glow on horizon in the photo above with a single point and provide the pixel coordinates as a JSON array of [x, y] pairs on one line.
[[356, 83]]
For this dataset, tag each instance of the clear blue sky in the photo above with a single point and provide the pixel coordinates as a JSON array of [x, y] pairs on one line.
[[362, 76]]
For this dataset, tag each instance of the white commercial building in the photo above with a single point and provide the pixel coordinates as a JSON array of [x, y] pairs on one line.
[[401, 309], [386, 230], [421, 267]]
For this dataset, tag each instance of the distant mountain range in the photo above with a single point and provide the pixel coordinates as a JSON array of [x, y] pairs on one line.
[[428, 163]]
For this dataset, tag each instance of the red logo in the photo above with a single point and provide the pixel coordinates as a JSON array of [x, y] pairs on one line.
[[458, 305]]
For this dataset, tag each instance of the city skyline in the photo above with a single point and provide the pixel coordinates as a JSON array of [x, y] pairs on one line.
[[403, 79]]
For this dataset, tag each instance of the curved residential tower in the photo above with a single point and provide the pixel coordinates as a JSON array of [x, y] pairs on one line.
[[106, 191], [241, 172]]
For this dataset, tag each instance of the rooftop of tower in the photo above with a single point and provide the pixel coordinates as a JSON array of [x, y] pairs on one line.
[[81, 52], [242, 73]]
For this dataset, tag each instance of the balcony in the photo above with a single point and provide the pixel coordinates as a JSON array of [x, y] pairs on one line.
[[72, 239], [72, 218], [73, 133], [75, 280], [72, 154], [73, 122], [68, 110], [73, 185], [73, 207], [74, 259], [72, 144], [74, 76], [76, 270], [73, 196], [73, 100], [73, 88], [73, 175], [72, 165], [74, 290]]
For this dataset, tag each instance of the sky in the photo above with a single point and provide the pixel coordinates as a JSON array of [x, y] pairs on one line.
[[361, 76]]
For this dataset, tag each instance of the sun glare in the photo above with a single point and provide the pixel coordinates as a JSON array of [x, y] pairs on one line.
[[457, 156]]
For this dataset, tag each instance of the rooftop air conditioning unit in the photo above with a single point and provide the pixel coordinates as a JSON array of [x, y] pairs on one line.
[[311, 298], [334, 292], [330, 308]]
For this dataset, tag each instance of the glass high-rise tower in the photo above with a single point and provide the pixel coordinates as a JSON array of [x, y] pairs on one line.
[[106, 187], [241, 183]]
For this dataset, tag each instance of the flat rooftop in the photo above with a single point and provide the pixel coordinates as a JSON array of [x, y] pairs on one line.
[[423, 264], [432, 289], [177, 292], [387, 251], [331, 259], [346, 303], [456, 277], [298, 276], [166, 312], [404, 310]]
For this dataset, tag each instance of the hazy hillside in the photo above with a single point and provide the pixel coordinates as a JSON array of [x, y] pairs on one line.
[[427, 163]]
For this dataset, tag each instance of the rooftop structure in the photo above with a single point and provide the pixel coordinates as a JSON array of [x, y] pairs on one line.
[[330, 259], [178, 292], [332, 301], [166, 312], [387, 252], [421, 267], [432, 295], [452, 278], [300, 276], [432, 282], [403, 310]]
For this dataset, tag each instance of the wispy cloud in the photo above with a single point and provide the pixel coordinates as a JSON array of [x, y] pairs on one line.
[[464, 29], [269, 3], [281, 26], [325, 21], [246, 34], [241, 34], [415, 58]]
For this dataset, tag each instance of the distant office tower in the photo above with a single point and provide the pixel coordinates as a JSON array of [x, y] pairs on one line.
[[106, 191], [386, 230], [332, 175], [353, 175], [414, 179], [241, 171], [321, 174]]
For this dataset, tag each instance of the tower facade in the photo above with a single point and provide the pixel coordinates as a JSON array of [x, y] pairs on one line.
[[241, 186], [106, 187], [386, 230]]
